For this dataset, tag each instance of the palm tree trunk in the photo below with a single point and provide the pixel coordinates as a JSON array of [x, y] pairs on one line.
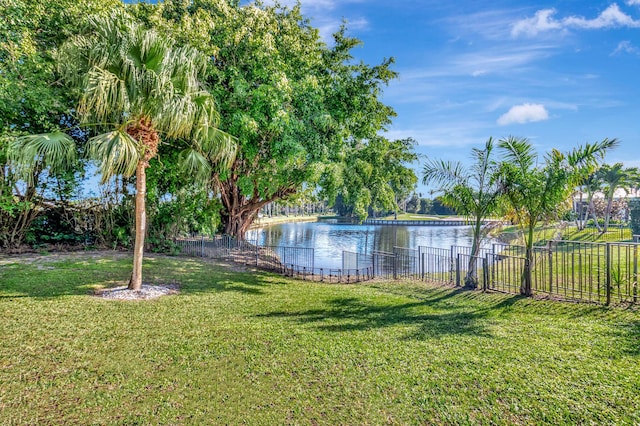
[[581, 214], [595, 217], [141, 225], [607, 213], [526, 287], [471, 280]]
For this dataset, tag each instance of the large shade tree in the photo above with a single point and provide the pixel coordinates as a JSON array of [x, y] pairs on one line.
[[138, 87], [296, 105], [535, 192], [471, 191]]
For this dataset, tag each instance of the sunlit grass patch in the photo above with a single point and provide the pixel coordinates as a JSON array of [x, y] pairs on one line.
[[249, 347]]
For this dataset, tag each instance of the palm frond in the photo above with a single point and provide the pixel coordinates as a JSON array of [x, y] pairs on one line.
[[519, 151], [117, 152], [55, 151], [195, 164], [447, 173], [588, 156]]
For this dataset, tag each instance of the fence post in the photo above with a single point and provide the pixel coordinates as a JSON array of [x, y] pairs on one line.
[[373, 262], [202, 250], [458, 270], [635, 273], [395, 266], [453, 263], [607, 261], [550, 254], [423, 264], [485, 273], [257, 253]]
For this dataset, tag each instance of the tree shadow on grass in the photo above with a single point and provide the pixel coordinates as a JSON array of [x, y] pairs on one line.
[[427, 318], [631, 338], [74, 275]]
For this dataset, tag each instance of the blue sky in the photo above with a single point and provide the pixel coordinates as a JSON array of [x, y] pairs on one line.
[[560, 73]]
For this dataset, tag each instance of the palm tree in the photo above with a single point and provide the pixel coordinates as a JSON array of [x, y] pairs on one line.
[[28, 160], [534, 192], [591, 185], [136, 85], [613, 178], [469, 191]]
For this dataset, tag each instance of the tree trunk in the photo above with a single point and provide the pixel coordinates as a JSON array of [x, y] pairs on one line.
[[141, 225], [607, 213], [592, 207], [580, 216], [471, 279], [526, 288], [239, 210]]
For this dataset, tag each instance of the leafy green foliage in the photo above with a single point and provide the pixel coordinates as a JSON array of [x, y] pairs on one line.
[[374, 176], [33, 101], [634, 216], [296, 105]]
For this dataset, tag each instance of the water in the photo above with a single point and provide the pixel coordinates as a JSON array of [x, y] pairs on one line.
[[330, 238]]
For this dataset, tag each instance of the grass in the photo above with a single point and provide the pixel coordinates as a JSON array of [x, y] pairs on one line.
[[255, 348]]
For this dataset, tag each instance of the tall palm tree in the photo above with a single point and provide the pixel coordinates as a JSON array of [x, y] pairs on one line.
[[137, 86], [469, 191], [534, 192]]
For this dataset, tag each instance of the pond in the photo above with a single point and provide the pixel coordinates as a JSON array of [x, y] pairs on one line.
[[330, 238]]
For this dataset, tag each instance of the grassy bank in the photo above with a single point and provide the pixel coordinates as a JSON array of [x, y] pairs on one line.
[[236, 347], [274, 220]]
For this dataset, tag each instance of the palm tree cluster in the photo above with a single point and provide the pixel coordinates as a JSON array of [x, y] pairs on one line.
[[607, 180], [516, 185]]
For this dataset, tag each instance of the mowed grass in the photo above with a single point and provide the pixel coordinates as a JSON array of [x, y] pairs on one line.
[[255, 348]]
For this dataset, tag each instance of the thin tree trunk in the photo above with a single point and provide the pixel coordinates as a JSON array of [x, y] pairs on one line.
[[526, 288], [607, 213], [471, 280], [581, 214], [593, 214], [141, 226]]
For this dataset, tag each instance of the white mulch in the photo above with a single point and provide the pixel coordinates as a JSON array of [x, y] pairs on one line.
[[147, 292]]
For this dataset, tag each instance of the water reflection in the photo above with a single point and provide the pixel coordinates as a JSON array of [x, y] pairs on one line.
[[330, 239]]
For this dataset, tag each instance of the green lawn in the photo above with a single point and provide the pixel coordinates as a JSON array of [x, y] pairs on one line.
[[255, 348]]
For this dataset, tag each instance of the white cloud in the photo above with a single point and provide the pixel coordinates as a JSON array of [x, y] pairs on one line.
[[626, 47], [611, 17], [633, 2], [524, 113], [544, 21]]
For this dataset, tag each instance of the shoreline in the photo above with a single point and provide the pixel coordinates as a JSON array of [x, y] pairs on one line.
[[276, 220]]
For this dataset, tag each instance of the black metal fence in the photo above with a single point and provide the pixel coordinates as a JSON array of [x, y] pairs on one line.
[[296, 262], [586, 271]]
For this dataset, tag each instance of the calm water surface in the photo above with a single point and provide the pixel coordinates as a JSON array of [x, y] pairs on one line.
[[330, 238]]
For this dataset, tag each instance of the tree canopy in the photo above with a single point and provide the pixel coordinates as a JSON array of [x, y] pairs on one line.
[[296, 105]]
